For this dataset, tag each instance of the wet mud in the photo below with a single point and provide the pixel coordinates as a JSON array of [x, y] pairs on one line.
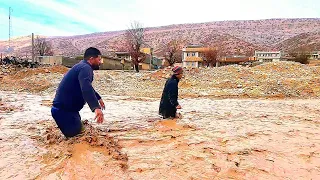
[[214, 139]]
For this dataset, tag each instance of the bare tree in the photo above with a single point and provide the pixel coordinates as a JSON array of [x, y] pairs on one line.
[[210, 56], [300, 56], [172, 51], [134, 42], [43, 47]]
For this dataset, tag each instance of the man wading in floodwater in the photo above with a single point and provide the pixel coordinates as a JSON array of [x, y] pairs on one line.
[[169, 100], [74, 91]]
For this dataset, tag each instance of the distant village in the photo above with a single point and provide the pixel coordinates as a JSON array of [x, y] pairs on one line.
[[193, 56]]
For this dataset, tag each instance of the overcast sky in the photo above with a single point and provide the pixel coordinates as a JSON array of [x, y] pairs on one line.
[[73, 17]]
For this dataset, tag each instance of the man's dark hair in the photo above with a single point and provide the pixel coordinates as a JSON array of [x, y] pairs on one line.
[[91, 52]]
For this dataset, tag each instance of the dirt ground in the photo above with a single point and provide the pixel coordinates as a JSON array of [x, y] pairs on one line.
[[220, 136], [268, 80]]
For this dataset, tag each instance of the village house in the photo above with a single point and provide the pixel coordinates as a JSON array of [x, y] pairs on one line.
[[156, 62], [192, 56], [242, 60], [144, 65], [315, 55], [114, 63], [49, 60], [123, 55], [108, 62], [268, 56]]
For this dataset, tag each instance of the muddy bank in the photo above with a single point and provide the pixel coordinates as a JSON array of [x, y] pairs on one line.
[[28, 79], [275, 80]]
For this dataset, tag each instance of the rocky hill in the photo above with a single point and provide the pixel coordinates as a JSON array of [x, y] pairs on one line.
[[231, 37]]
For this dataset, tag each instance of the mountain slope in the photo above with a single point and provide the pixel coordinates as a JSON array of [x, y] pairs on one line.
[[304, 41], [231, 37]]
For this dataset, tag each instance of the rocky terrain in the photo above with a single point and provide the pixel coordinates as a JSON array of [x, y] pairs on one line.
[[268, 80]]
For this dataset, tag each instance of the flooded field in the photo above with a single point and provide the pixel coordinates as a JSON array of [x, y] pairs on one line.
[[214, 139]]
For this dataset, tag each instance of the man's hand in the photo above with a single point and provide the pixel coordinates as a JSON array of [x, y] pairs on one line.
[[102, 104], [178, 107], [99, 116]]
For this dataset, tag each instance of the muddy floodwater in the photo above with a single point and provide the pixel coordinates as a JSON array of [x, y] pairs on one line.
[[214, 139]]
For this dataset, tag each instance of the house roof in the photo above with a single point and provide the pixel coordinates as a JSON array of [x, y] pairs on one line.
[[236, 59], [262, 52], [202, 49], [193, 59], [104, 57], [122, 53], [194, 46], [315, 52]]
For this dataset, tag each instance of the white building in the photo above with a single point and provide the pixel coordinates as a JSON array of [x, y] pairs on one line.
[[268, 56], [315, 55], [123, 55]]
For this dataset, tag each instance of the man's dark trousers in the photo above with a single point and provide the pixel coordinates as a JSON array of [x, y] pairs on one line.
[[68, 122]]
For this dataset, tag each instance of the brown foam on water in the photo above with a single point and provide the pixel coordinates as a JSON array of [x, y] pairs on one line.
[[46, 103], [7, 108], [170, 125], [91, 155], [166, 125], [86, 162]]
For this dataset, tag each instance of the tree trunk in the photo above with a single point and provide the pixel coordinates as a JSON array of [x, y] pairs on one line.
[[136, 67]]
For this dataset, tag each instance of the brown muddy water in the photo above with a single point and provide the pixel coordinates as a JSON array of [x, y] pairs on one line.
[[214, 139]]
